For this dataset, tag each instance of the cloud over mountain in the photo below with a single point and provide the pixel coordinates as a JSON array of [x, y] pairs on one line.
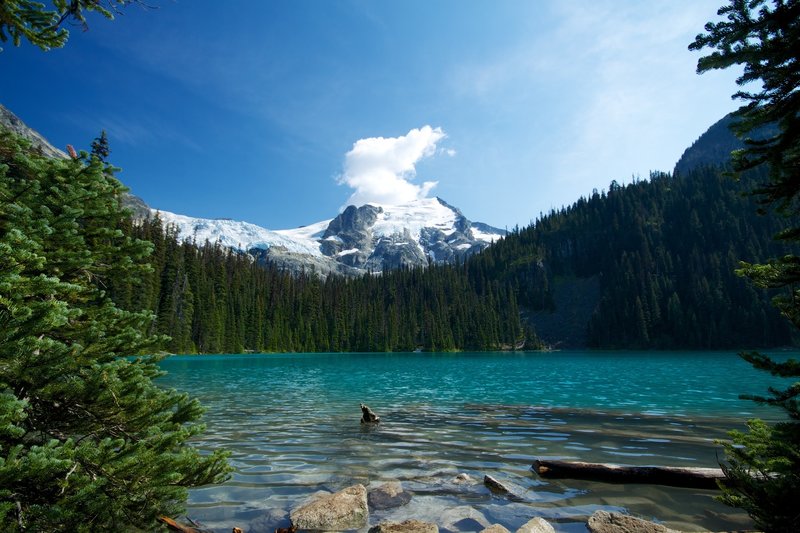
[[380, 169]]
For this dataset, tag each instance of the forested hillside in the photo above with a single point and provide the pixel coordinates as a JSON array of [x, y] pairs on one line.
[[650, 264], [647, 265], [662, 254], [210, 299]]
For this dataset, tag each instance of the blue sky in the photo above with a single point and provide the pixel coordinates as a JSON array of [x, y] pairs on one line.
[[273, 112]]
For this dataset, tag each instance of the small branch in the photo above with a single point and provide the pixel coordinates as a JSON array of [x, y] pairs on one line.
[[71, 470]]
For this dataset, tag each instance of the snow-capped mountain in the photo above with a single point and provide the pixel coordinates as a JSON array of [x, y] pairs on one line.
[[369, 238]]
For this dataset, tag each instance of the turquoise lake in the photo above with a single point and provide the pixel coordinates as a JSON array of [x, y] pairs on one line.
[[291, 422]]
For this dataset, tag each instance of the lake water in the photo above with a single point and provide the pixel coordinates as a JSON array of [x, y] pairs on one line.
[[291, 422]]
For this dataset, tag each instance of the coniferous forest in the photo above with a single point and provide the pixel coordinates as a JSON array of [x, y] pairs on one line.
[[210, 299], [653, 263], [659, 257]]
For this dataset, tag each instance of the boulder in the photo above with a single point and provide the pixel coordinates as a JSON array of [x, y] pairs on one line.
[[346, 509], [388, 496], [495, 528], [606, 522], [407, 526], [536, 525]]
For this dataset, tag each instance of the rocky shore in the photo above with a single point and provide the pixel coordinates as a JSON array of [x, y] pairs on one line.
[[349, 509]]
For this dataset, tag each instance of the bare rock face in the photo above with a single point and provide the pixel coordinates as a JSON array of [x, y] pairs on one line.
[[388, 496], [536, 525], [606, 522], [407, 526], [343, 510]]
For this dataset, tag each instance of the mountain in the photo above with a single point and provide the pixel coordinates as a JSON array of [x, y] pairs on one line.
[[714, 146], [368, 238], [651, 264]]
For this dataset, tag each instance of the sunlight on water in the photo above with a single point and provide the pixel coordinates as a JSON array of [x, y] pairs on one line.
[[292, 425]]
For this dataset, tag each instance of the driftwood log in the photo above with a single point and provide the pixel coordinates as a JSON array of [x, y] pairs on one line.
[[697, 478]]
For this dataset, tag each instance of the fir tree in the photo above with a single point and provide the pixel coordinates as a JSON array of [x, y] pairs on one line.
[[764, 465], [100, 148], [87, 441], [43, 25]]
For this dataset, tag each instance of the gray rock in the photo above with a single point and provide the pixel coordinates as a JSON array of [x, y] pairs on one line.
[[346, 509], [536, 525], [13, 123], [269, 521], [463, 518], [495, 528], [495, 486], [606, 522], [388, 496], [407, 526], [464, 479]]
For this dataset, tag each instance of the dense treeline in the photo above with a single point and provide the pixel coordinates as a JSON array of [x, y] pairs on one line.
[[212, 300], [664, 253]]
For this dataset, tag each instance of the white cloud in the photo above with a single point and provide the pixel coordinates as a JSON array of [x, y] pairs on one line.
[[379, 169]]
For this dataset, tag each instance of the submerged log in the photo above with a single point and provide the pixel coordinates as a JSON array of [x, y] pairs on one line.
[[172, 525], [674, 476]]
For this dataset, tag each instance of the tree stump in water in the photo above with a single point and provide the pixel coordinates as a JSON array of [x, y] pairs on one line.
[[367, 416]]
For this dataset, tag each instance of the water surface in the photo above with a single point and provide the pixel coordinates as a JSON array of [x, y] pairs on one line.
[[291, 422]]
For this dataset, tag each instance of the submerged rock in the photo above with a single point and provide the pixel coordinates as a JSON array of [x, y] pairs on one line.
[[269, 521], [495, 528], [388, 496], [463, 518], [536, 525], [606, 522], [407, 526], [346, 509], [464, 479]]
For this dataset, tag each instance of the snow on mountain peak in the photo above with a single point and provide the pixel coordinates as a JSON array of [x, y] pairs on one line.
[[368, 238], [240, 235]]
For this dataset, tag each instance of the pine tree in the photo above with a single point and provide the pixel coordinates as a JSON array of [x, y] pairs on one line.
[[763, 468], [43, 25], [100, 148], [87, 441]]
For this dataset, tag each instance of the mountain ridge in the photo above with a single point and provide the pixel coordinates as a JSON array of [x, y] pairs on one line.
[[360, 239], [367, 238]]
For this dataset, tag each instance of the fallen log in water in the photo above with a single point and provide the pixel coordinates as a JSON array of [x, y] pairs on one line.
[[675, 476]]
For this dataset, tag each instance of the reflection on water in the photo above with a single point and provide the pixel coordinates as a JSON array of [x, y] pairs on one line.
[[292, 425]]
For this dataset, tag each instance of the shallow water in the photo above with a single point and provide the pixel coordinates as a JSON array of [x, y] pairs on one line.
[[291, 422]]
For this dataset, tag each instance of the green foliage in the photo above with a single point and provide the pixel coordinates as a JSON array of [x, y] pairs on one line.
[[662, 255], [87, 441], [42, 25], [764, 37], [762, 475], [210, 299], [100, 148]]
